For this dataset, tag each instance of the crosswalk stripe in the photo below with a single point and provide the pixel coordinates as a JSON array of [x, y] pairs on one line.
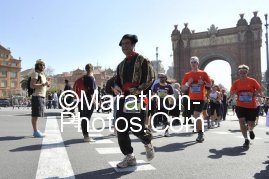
[[111, 150], [103, 141], [53, 160], [141, 165]]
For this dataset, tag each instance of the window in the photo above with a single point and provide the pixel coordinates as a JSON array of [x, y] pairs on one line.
[[13, 64], [4, 73], [13, 84], [5, 63], [13, 74], [3, 84]]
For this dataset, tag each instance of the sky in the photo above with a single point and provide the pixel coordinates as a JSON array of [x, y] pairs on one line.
[[67, 34]]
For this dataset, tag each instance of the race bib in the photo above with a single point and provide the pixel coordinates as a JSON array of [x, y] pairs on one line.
[[132, 105], [195, 88], [244, 97], [162, 93]]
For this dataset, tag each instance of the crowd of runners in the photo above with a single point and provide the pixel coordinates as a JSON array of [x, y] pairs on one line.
[[135, 75]]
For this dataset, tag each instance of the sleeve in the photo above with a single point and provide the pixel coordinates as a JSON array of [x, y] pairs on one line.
[[257, 86], [184, 80], [233, 88], [147, 78], [207, 79]]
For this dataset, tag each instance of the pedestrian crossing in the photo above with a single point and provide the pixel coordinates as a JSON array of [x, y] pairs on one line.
[[54, 161], [53, 147]]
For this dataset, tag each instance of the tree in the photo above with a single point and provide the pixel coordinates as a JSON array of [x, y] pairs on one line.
[[24, 82], [49, 71]]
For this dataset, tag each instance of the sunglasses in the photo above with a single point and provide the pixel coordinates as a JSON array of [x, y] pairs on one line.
[[194, 62], [243, 71]]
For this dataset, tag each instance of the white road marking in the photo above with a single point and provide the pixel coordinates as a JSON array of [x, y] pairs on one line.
[[53, 160], [141, 165], [102, 141], [112, 150]]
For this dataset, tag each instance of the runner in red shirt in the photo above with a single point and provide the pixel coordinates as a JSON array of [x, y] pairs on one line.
[[246, 89], [194, 81]]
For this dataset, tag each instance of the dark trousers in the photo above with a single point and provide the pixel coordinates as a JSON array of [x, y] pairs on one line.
[[85, 113], [225, 108], [123, 137], [161, 118]]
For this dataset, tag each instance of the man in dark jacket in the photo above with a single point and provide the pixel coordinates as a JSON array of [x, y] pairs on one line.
[[134, 75]]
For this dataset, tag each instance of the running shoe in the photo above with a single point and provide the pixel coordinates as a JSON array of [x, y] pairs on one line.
[[251, 135], [129, 160], [38, 134], [149, 151], [246, 144], [200, 137], [88, 139]]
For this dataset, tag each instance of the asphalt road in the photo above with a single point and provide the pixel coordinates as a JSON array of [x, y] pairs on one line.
[[64, 155]]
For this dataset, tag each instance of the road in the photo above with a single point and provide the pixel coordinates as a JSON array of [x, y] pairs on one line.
[[64, 155]]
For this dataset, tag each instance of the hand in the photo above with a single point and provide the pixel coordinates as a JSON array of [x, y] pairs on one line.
[[190, 81], [117, 90], [200, 82]]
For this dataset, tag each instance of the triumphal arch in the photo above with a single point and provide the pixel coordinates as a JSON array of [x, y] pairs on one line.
[[235, 45]]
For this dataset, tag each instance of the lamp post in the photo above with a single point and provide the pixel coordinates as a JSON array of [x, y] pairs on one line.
[[157, 61], [267, 58]]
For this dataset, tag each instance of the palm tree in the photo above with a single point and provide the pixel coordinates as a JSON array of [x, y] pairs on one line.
[[24, 83]]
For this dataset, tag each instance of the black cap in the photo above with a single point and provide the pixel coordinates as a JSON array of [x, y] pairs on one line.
[[131, 37]]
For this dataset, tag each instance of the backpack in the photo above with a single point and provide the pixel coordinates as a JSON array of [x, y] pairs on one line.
[[79, 86], [109, 85], [30, 90]]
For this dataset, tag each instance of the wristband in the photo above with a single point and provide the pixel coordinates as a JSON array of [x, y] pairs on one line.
[[187, 84]]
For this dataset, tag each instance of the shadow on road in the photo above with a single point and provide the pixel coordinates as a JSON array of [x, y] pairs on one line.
[[27, 148], [12, 138], [174, 147], [232, 151], [234, 131], [47, 146], [263, 173], [107, 173]]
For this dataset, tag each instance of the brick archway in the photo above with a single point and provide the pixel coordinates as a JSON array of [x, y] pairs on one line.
[[236, 45]]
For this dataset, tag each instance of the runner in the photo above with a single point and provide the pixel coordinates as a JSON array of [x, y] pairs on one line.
[[246, 89], [215, 100], [163, 89], [134, 75], [194, 81]]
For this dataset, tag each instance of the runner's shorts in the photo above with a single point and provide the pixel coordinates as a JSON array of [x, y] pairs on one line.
[[248, 113], [196, 107]]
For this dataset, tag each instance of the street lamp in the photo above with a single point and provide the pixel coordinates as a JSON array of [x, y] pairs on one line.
[[157, 61], [267, 58]]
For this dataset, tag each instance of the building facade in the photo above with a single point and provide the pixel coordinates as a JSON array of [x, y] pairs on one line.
[[9, 74], [58, 81], [235, 45]]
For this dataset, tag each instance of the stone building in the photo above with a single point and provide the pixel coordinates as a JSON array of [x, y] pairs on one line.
[[57, 81], [235, 45], [9, 74]]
